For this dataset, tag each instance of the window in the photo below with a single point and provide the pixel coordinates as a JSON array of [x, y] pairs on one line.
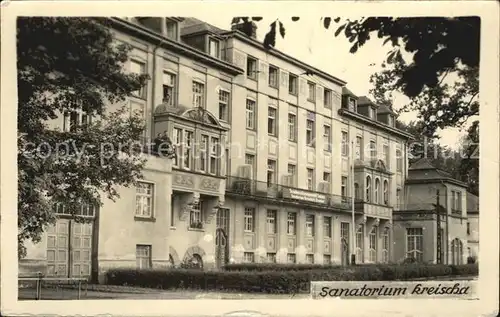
[[250, 160], [311, 91], [385, 245], [224, 105], [310, 179], [414, 243], [144, 193], [138, 68], [214, 48], [398, 198], [214, 155], [357, 194], [203, 153], [343, 188], [177, 142], [310, 225], [327, 138], [271, 173], [292, 127], [310, 131], [359, 148], [368, 189], [251, 68], [248, 257], [459, 201], [249, 219], [327, 227], [187, 148], [373, 150], [171, 28], [344, 231], [72, 120], [271, 221], [360, 244], [292, 171], [172, 211], [468, 227], [352, 105], [390, 121], [291, 217], [143, 256], [195, 216], [198, 94], [169, 89], [290, 257], [327, 177], [271, 121], [345, 144], [385, 152], [377, 190], [292, 84], [399, 161], [327, 259], [250, 114], [373, 245], [310, 258], [386, 192], [271, 257], [273, 77], [327, 98]]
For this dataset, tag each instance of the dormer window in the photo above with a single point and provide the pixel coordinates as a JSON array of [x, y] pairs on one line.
[[171, 29], [371, 113], [214, 48], [352, 105]]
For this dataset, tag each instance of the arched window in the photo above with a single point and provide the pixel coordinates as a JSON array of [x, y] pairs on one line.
[[368, 189], [386, 192], [377, 190], [356, 191]]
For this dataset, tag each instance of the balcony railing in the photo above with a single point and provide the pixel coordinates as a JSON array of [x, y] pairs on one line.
[[258, 189]]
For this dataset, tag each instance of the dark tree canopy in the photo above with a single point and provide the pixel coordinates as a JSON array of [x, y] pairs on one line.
[[64, 65]]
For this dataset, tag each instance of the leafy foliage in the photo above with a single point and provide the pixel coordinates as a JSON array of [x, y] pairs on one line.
[[66, 65]]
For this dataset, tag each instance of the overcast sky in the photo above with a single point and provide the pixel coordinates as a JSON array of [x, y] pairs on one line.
[[310, 42]]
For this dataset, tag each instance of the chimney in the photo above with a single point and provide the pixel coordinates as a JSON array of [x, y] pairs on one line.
[[249, 28]]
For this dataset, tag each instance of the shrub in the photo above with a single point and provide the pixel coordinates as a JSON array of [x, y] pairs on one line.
[[471, 259], [296, 278]]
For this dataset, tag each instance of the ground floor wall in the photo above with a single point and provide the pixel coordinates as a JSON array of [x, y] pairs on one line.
[[303, 238], [418, 239]]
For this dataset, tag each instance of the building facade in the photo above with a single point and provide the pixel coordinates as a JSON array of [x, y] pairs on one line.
[[418, 231], [270, 152]]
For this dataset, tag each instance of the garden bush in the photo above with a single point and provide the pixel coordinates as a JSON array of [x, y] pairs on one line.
[[271, 280]]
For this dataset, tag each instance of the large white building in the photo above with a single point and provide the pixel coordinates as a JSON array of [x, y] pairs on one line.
[[270, 151]]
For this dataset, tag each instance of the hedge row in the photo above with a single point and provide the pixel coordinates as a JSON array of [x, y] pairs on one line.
[[273, 281]]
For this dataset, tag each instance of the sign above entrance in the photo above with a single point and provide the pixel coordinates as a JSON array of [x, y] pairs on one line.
[[312, 197]]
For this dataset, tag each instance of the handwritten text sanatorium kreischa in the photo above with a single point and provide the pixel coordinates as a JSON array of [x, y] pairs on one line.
[[382, 290]]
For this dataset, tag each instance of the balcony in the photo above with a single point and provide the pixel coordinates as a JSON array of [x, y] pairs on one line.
[[373, 210], [284, 194]]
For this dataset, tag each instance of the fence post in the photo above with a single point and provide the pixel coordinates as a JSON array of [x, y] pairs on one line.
[[79, 288], [39, 286]]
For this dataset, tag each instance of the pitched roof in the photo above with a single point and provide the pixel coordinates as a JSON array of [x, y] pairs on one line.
[[192, 25], [364, 100], [472, 203], [423, 170], [346, 91]]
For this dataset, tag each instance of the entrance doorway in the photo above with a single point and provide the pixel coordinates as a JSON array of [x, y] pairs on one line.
[[69, 248], [222, 238]]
